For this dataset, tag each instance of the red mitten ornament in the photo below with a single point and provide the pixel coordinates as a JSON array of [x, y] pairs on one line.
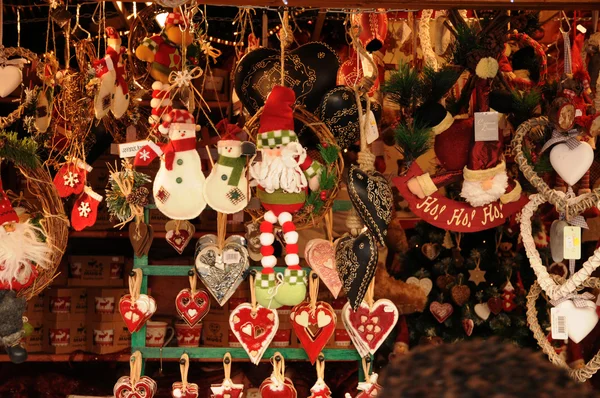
[[71, 177], [85, 209], [227, 389], [278, 386]]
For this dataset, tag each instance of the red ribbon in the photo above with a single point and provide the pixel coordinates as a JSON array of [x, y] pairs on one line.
[[174, 146]]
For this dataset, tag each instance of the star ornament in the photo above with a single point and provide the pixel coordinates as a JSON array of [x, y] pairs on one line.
[[476, 275]]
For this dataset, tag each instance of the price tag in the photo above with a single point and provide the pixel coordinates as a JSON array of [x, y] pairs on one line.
[[372, 130], [231, 257], [558, 323], [129, 149], [367, 65], [486, 126], [572, 243]]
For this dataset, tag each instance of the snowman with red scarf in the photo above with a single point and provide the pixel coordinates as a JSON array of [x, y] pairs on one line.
[[179, 184], [283, 177]]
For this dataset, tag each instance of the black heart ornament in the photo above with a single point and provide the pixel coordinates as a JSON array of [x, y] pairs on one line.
[[310, 70], [372, 198], [339, 111], [356, 260]]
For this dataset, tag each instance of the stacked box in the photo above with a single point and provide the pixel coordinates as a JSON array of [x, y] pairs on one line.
[[96, 270], [64, 337], [65, 304], [103, 304], [215, 333], [108, 337]]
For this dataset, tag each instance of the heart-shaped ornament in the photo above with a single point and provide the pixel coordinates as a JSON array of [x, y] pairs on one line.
[[310, 70], [11, 77], [440, 311], [460, 294], [424, 283], [356, 260], [144, 388], [468, 326], [221, 271], [179, 234], [495, 305], [372, 198], [580, 321], [227, 389], [190, 390], [136, 313], [320, 255], [431, 250], [571, 164], [482, 311], [140, 236], [254, 329], [369, 327], [273, 388], [313, 326], [192, 307]]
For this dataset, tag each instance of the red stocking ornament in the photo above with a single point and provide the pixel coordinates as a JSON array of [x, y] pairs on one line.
[[85, 209], [71, 177]]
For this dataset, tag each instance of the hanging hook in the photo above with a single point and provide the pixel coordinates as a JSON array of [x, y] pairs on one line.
[[564, 18], [77, 25]]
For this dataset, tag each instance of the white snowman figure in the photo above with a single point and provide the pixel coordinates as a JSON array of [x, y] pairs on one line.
[[179, 184], [228, 183]]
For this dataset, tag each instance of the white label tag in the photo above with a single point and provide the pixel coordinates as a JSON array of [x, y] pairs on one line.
[[486, 126], [558, 322], [372, 130], [367, 65], [129, 149], [578, 113], [231, 257], [572, 243]]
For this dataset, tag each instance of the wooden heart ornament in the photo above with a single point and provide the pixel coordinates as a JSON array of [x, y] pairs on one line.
[[179, 234], [192, 306], [369, 327], [313, 326], [145, 387], [372, 198], [254, 328], [141, 236], [356, 260], [320, 255], [431, 250], [135, 313]]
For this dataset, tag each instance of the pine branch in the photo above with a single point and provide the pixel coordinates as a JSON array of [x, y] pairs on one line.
[[403, 86], [465, 43], [20, 151], [524, 104], [437, 83], [413, 140], [329, 153]]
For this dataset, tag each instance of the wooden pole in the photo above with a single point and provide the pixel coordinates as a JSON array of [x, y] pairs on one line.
[[265, 29], [319, 26]]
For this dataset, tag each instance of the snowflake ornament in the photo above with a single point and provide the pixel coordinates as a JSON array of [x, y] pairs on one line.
[[71, 179], [84, 209], [144, 154]]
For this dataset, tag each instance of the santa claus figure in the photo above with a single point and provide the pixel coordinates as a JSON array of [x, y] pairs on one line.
[[21, 252], [283, 177]]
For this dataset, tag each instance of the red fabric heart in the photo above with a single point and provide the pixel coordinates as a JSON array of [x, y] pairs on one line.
[[440, 311], [192, 307], [495, 305], [133, 316], [191, 390], [144, 388], [371, 325], [271, 388], [178, 239], [313, 328], [254, 331], [468, 326]]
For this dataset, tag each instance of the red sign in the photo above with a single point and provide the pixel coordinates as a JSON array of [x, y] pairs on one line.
[[452, 215]]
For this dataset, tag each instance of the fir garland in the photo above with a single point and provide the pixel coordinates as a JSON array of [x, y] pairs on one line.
[[119, 204], [20, 151]]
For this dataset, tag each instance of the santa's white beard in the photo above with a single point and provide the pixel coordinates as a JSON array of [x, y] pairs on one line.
[[18, 249], [476, 196], [275, 172]]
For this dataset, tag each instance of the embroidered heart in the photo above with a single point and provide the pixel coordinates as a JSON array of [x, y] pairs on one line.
[[431, 250], [482, 310], [571, 164], [468, 326], [369, 327], [320, 256], [227, 389], [424, 283], [310, 71], [580, 321], [313, 328], [440, 311], [254, 331], [11, 77], [144, 388], [190, 391], [221, 271], [192, 307], [372, 198], [273, 388], [135, 314], [356, 260]]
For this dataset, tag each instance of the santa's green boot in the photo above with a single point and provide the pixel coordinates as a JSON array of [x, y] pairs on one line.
[[293, 289], [265, 287]]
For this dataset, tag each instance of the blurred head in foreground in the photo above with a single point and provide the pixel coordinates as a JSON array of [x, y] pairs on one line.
[[478, 368]]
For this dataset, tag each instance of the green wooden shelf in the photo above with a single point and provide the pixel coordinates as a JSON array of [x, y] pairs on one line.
[[182, 270]]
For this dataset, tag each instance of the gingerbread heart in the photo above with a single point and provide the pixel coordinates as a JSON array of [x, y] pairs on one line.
[[431, 250], [273, 388], [369, 327], [254, 329], [314, 327], [424, 283], [136, 313], [440, 311], [190, 390], [221, 271], [144, 388], [227, 389], [320, 255], [192, 307]]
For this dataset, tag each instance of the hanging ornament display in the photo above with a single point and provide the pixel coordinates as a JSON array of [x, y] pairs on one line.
[[44, 103], [126, 195], [135, 385], [85, 209], [192, 305], [254, 326], [227, 388], [136, 308], [476, 275], [440, 311], [313, 321], [278, 386], [320, 389], [183, 389]]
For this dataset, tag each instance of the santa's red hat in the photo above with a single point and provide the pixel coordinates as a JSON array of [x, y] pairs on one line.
[[485, 161], [180, 117], [452, 145], [277, 119], [228, 133], [7, 213]]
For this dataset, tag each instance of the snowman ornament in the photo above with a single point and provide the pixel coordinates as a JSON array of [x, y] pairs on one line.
[[178, 188]]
